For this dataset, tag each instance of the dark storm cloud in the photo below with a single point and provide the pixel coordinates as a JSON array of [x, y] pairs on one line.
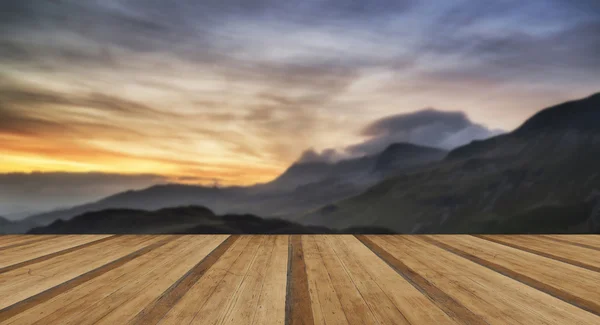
[[23, 193], [428, 127]]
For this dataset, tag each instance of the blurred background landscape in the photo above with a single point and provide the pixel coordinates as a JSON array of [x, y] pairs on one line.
[[319, 116]]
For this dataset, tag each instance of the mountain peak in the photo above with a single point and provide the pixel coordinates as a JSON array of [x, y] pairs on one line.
[[582, 114]]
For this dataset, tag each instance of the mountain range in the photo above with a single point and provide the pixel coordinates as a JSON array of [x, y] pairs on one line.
[[302, 187], [543, 177]]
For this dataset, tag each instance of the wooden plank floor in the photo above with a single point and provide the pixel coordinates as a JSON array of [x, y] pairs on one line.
[[299, 279]]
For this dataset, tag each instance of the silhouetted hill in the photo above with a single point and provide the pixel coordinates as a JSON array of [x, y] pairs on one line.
[[544, 176], [181, 220]]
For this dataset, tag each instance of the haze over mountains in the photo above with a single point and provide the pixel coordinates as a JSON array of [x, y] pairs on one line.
[[542, 177], [302, 187]]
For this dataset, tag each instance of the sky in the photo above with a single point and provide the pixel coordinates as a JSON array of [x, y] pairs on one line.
[[102, 95]]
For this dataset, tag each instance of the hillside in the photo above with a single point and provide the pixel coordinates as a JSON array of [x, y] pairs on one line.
[[543, 177], [180, 220]]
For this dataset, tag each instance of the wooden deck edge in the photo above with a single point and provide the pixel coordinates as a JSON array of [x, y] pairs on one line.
[[157, 309], [590, 306], [50, 293], [446, 303]]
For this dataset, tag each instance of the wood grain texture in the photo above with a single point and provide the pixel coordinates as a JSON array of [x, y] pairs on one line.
[[69, 304], [271, 302], [453, 308], [542, 273], [326, 305], [159, 307], [21, 289], [298, 307], [299, 279], [493, 297], [10, 241], [207, 297], [590, 240], [40, 248], [581, 241], [55, 254], [571, 254]]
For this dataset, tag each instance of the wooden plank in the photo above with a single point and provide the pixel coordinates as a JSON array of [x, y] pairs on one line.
[[586, 241], [36, 249], [11, 241], [592, 240], [495, 298], [220, 281], [542, 273], [20, 284], [271, 303], [578, 256], [355, 307], [53, 255], [153, 289], [124, 304], [65, 307], [362, 299], [298, 307], [325, 303], [245, 304], [93, 290], [158, 308], [452, 307], [391, 298], [222, 300], [4, 238]]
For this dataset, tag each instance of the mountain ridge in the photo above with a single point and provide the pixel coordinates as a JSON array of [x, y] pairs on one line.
[[489, 185]]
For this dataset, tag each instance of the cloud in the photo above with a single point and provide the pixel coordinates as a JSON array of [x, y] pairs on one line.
[[428, 127], [27, 193], [328, 155], [560, 41], [192, 86]]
